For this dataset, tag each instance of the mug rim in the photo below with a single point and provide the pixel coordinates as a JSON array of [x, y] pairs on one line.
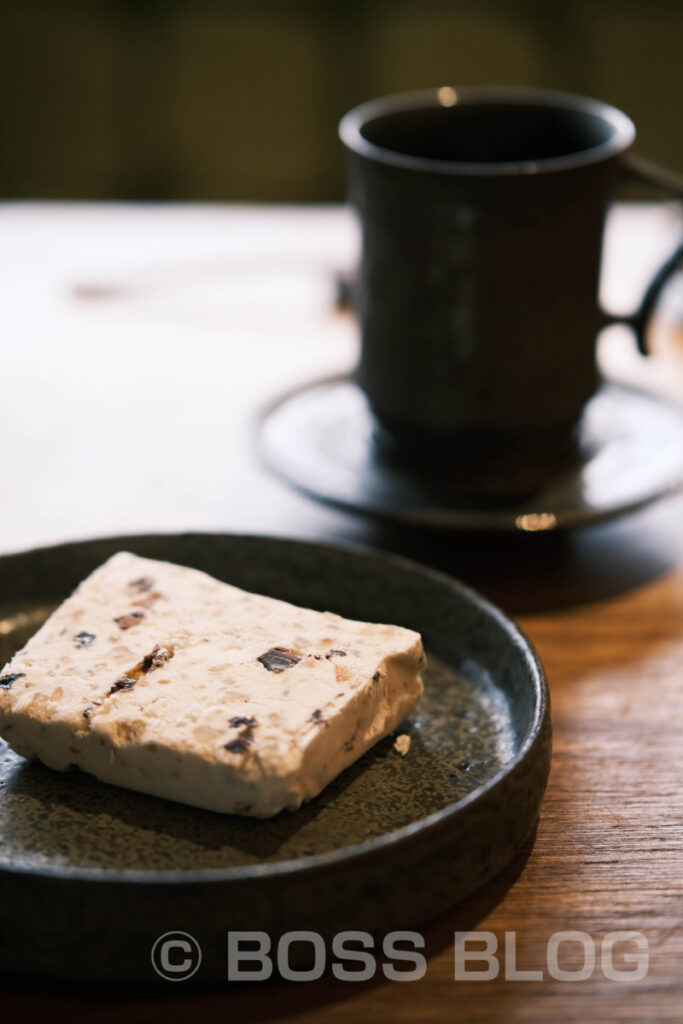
[[352, 124]]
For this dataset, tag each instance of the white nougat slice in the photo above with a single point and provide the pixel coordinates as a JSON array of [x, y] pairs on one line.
[[164, 680]]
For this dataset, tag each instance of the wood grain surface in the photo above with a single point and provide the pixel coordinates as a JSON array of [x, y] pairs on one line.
[[604, 607]]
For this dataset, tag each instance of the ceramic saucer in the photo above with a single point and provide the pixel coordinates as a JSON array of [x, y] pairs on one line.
[[322, 439]]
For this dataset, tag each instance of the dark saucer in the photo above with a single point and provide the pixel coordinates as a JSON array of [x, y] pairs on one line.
[[322, 439]]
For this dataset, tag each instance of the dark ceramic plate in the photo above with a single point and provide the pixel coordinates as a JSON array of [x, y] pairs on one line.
[[322, 439], [91, 875]]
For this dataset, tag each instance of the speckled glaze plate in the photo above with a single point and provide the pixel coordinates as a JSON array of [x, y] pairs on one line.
[[92, 875], [322, 439]]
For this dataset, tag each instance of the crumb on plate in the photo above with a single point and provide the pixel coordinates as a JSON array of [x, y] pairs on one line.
[[402, 744]]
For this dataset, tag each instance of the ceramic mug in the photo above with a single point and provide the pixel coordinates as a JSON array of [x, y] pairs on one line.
[[482, 213]]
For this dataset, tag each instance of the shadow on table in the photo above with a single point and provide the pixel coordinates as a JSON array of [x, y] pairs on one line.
[[247, 1003], [538, 572]]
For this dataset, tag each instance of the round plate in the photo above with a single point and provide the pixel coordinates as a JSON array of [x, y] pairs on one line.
[[321, 439], [91, 875]]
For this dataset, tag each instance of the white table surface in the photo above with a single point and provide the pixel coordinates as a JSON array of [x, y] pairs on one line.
[[137, 344]]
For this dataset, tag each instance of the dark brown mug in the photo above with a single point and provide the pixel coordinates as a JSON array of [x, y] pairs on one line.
[[482, 213]]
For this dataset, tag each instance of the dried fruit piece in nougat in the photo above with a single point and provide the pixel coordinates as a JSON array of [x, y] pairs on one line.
[[162, 679]]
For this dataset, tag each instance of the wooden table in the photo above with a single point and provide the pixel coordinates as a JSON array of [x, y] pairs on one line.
[[137, 344]]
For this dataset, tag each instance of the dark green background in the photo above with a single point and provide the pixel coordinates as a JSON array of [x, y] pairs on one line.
[[222, 99]]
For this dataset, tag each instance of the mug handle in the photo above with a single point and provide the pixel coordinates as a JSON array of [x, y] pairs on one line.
[[670, 183]]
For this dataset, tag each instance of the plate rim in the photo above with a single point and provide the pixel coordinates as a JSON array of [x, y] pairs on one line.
[[344, 854]]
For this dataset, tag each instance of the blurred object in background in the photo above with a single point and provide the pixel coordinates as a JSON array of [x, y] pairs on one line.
[[227, 100], [658, 230]]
